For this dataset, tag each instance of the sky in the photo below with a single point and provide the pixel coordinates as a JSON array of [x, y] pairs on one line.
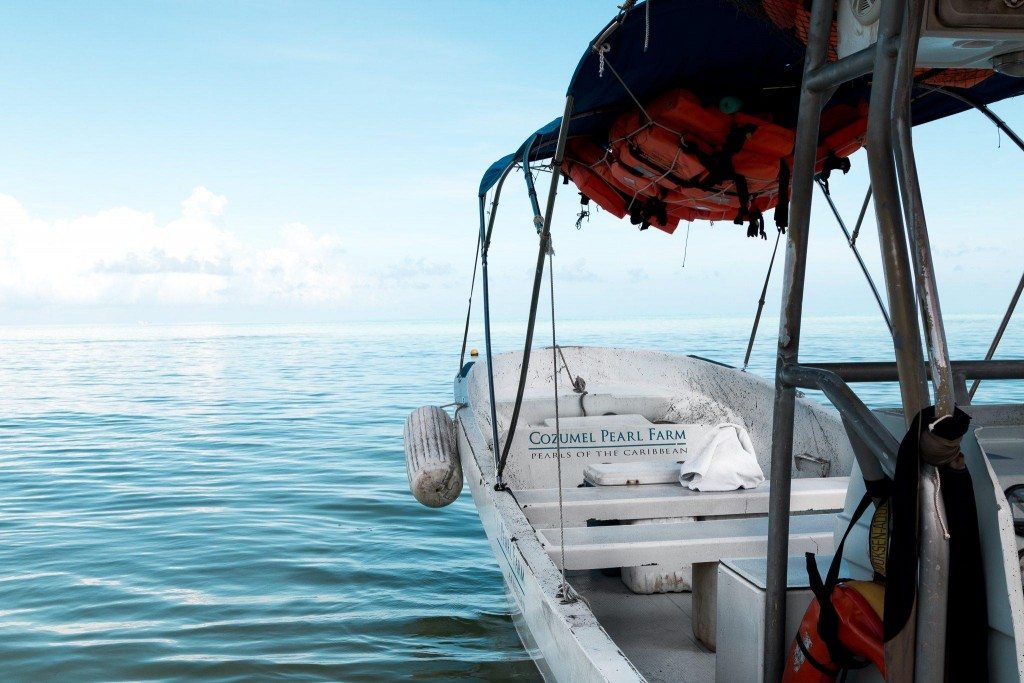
[[318, 161]]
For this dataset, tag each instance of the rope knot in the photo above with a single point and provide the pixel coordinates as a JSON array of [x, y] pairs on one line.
[[600, 58]]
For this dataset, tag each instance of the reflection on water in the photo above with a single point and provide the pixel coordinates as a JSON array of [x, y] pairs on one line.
[[230, 502]]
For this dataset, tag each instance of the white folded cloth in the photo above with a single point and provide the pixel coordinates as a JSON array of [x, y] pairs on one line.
[[723, 460]]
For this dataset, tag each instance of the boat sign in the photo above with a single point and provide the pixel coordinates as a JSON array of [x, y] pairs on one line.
[[595, 439], [650, 440]]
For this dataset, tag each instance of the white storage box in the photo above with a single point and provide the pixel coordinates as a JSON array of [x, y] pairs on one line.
[[740, 615]]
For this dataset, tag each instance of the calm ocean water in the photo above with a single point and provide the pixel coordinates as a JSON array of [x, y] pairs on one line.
[[230, 502]]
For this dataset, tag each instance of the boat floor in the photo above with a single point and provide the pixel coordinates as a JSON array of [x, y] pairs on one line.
[[653, 631]]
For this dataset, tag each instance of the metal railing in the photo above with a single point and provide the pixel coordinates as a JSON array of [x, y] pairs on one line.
[[911, 289]]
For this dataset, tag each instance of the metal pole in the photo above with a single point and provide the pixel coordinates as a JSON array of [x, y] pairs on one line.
[[917, 226], [531, 190], [472, 286], [804, 157], [860, 216], [933, 576], [485, 246], [999, 332], [760, 302], [846, 69], [892, 239], [1000, 124], [545, 245], [494, 205], [856, 252], [900, 650], [485, 240], [882, 444], [886, 372]]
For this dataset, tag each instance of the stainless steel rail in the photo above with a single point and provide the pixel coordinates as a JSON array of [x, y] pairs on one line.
[[890, 160], [485, 246], [804, 157], [544, 228], [887, 372], [882, 445]]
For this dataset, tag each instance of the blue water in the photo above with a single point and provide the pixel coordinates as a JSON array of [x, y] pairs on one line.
[[230, 502]]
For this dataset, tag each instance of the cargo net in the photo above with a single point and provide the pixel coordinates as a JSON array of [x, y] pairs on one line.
[[677, 158]]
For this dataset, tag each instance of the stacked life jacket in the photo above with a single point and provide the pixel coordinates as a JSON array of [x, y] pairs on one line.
[[681, 160]]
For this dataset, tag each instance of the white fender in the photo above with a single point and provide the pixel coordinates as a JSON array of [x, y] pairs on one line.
[[432, 457]]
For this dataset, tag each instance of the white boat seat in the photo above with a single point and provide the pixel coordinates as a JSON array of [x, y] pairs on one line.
[[655, 501], [627, 420], [682, 543], [632, 473]]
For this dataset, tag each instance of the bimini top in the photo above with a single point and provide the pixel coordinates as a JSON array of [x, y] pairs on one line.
[[724, 64]]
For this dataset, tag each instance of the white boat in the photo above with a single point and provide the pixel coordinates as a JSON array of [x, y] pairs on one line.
[[623, 491], [612, 633]]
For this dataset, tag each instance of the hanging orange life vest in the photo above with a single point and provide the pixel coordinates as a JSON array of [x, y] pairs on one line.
[[858, 635], [842, 628], [680, 160], [582, 163]]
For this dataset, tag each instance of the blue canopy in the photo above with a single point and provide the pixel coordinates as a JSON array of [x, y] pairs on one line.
[[714, 48]]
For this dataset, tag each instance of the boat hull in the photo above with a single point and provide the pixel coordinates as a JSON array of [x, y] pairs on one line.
[[565, 640]]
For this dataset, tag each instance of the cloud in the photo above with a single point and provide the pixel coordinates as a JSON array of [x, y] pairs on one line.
[[125, 256], [414, 273], [637, 275], [577, 271]]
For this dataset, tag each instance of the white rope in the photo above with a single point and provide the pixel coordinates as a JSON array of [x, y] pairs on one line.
[[686, 245], [566, 594], [647, 23], [936, 503], [601, 60], [572, 380]]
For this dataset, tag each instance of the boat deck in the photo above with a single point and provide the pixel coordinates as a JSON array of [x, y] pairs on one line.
[[654, 631]]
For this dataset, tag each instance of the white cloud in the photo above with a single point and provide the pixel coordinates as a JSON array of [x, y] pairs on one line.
[[415, 272], [125, 256]]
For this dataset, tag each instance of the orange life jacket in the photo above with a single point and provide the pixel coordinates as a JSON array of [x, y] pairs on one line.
[[582, 163], [859, 633], [602, 179], [681, 160], [842, 628]]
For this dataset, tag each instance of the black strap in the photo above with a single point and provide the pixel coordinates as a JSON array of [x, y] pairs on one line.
[[901, 562], [828, 618], [743, 193], [756, 226], [967, 624], [814, 662], [719, 163], [649, 210], [832, 163], [782, 208]]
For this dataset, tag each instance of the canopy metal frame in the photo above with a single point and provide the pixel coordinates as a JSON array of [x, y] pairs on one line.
[[917, 652]]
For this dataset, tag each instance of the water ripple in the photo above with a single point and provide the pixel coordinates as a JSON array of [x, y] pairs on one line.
[[229, 503]]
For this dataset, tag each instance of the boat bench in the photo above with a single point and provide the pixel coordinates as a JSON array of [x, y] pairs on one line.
[[716, 525], [682, 543], [655, 501]]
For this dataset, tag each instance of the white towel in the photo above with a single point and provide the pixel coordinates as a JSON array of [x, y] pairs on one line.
[[724, 460]]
